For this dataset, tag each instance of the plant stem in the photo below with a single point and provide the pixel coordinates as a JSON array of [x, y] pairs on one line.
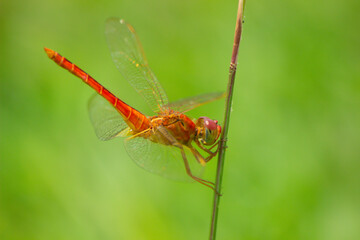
[[223, 138]]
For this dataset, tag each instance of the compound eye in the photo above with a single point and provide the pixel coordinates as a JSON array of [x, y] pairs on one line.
[[209, 123], [210, 130]]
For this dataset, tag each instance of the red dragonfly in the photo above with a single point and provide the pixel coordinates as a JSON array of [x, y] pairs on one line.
[[161, 144]]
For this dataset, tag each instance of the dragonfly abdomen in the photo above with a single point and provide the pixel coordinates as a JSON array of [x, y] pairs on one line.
[[136, 120]]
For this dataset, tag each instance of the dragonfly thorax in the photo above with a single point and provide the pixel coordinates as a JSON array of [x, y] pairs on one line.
[[181, 127]]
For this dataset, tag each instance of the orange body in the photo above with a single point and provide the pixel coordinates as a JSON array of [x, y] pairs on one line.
[[182, 128], [137, 121]]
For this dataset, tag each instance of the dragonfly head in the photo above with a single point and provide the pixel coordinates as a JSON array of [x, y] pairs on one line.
[[208, 130]]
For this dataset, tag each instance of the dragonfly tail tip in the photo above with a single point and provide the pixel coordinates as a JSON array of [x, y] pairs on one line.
[[49, 52]]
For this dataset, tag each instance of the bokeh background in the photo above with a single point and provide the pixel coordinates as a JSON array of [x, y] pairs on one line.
[[293, 162]]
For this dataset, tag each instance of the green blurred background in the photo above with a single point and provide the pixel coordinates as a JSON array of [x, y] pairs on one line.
[[293, 162]]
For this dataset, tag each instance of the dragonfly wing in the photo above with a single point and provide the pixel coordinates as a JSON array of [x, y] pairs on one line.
[[190, 103], [106, 120], [164, 160], [130, 60]]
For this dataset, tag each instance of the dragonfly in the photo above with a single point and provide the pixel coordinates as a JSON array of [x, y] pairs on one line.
[[163, 143]]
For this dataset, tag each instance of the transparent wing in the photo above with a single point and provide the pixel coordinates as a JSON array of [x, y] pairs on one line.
[[190, 103], [106, 120], [164, 160], [130, 60]]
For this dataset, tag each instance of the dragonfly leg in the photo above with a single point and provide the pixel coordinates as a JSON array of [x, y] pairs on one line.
[[216, 144], [199, 180], [199, 158], [210, 157], [175, 143], [211, 154]]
